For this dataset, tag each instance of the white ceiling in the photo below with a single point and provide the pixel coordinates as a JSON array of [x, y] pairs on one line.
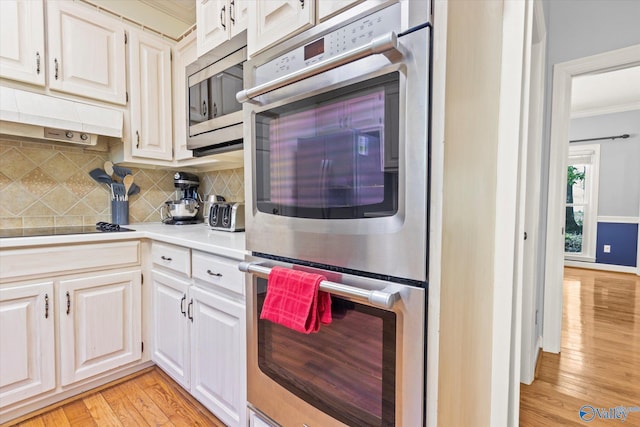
[[169, 17], [604, 93]]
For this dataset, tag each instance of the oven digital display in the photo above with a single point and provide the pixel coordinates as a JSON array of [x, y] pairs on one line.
[[314, 49]]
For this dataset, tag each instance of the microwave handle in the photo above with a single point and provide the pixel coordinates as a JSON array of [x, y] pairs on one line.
[[386, 44], [382, 299]]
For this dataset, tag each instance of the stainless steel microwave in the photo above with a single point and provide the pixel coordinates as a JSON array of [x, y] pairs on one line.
[[214, 114]]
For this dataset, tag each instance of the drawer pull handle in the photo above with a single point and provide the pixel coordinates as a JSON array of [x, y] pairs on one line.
[[182, 301], [55, 63], [46, 306], [37, 62], [68, 303], [211, 273], [165, 258], [189, 310]]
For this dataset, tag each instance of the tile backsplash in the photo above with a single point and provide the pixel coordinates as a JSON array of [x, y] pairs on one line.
[[45, 185]]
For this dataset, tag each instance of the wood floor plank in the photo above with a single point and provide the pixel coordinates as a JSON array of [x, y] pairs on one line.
[[78, 414], [56, 418], [599, 360], [145, 405], [101, 411]]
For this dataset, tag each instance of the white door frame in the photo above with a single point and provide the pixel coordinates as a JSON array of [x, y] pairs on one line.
[[530, 199], [561, 111]]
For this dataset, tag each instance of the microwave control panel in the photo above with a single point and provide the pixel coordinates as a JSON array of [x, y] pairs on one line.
[[336, 42]]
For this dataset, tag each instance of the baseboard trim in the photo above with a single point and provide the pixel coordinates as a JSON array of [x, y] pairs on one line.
[[603, 267]]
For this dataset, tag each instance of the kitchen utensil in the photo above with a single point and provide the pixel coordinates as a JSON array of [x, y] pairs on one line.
[[100, 176], [133, 190], [128, 182], [108, 168], [121, 171], [118, 191]]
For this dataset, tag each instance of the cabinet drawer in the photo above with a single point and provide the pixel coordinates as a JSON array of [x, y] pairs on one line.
[[176, 258], [218, 271], [50, 260]]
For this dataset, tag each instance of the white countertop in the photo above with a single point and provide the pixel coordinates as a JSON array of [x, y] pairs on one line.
[[196, 236]]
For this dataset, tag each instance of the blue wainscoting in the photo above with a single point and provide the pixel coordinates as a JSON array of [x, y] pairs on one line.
[[623, 238]]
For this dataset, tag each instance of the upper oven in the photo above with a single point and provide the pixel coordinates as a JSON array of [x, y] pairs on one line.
[[336, 130], [214, 114]]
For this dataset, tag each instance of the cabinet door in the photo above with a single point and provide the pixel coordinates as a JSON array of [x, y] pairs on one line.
[[272, 21], [86, 52], [184, 54], [151, 115], [100, 322], [218, 356], [212, 25], [22, 41], [27, 364], [171, 326], [238, 16], [329, 8]]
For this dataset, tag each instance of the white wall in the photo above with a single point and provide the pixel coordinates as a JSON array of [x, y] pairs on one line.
[[576, 29]]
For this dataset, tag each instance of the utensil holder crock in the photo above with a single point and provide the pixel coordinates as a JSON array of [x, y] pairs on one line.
[[120, 212]]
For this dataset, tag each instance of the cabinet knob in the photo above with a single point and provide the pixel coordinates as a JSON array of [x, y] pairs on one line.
[[211, 273]]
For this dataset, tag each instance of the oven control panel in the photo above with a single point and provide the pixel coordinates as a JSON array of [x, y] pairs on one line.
[[336, 42]]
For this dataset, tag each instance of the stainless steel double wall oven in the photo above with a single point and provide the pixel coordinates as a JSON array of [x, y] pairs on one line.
[[337, 172]]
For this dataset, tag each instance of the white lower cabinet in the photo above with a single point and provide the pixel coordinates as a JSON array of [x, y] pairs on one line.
[[100, 324], [199, 329], [218, 362], [70, 319], [171, 326], [27, 364]]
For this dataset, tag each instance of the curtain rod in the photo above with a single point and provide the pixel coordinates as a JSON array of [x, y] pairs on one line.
[[623, 136]]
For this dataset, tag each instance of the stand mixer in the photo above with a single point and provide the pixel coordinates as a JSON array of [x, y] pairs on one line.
[[184, 210]]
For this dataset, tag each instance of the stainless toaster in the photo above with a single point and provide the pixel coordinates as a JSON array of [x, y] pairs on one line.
[[226, 216]]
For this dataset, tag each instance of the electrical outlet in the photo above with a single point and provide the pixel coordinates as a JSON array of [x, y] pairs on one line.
[[607, 249]]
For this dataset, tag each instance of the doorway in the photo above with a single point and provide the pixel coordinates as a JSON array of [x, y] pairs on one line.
[[561, 114]]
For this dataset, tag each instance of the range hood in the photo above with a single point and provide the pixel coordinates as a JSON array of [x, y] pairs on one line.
[[33, 115]]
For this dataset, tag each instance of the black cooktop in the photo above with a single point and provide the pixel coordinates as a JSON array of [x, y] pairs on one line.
[[59, 231]]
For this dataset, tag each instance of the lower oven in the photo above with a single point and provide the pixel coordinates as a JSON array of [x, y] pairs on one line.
[[365, 368]]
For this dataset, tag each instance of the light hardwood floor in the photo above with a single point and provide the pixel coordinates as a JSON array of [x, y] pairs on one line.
[[150, 399], [599, 360]]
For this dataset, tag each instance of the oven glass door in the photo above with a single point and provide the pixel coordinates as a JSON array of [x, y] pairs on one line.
[[333, 155], [347, 369]]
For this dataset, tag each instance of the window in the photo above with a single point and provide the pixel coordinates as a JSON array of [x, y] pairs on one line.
[[582, 203]]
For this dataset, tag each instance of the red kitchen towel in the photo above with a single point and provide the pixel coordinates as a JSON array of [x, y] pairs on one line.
[[293, 300]]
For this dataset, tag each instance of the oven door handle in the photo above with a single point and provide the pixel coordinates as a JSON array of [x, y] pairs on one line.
[[383, 299], [386, 44]]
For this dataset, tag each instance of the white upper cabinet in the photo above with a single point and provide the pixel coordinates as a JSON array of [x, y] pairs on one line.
[[150, 104], [184, 54], [271, 21], [22, 53], [329, 8], [218, 21], [86, 52]]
